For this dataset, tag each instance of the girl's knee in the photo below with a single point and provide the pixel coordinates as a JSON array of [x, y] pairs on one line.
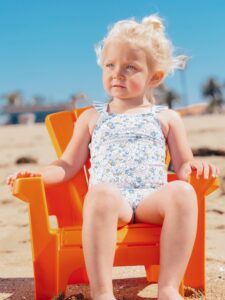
[[102, 191], [102, 198], [184, 187], [183, 196]]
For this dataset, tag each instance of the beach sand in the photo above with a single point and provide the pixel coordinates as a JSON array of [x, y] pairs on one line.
[[16, 275]]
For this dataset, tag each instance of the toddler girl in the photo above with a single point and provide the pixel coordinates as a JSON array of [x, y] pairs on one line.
[[127, 142]]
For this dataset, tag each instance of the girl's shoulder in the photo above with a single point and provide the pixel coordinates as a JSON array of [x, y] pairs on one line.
[[168, 118], [167, 113], [95, 109], [88, 113], [91, 115]]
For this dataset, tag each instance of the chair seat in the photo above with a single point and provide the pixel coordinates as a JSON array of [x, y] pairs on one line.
[[137, 244], [129, 235]]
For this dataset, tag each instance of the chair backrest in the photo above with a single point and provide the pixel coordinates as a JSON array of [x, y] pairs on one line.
[[65, 202]]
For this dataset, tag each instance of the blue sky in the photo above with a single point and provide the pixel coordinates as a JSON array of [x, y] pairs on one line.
[[47, 46]]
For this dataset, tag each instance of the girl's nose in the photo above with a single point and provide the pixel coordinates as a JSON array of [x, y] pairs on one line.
[[118, 74]]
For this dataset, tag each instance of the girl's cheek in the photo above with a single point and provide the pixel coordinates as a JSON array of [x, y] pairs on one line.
[[136, 85], [106, 85]]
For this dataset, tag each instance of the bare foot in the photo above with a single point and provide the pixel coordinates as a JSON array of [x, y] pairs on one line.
[[169, 293]]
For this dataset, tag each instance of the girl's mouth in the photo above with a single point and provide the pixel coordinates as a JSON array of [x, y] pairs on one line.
[[118, 86]]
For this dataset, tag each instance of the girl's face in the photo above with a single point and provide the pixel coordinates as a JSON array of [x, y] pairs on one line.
[[126, 73]]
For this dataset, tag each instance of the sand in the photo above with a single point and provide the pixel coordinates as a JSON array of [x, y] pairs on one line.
[[16, 275]]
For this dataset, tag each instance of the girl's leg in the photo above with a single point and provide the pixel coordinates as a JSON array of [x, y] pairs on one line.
[[174, 206], [103, 211]]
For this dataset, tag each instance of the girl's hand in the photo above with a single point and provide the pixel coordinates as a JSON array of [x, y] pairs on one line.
[[11, 178], [202, 168]]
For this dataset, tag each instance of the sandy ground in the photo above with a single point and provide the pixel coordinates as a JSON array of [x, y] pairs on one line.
[[16, 276]]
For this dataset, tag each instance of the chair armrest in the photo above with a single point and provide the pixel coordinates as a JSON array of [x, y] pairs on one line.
[[204, 186], [64, 200], [31, 190], [26, 188], [201, 185]]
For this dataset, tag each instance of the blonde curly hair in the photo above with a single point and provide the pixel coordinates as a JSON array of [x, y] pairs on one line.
[[149, 34]]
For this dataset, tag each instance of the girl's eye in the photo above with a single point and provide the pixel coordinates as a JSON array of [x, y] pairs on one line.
[[109, 66], [130, 67]]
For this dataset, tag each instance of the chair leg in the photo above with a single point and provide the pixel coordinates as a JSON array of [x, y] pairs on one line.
[[152, 273], [72, 266], [195, 273], [45, 282], [79, 276], [45, 275]]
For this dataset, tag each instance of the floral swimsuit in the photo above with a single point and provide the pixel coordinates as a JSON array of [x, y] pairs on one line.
[[128, 151]]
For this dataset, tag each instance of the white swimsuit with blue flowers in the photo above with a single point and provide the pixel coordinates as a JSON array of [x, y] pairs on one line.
[[128, 151]]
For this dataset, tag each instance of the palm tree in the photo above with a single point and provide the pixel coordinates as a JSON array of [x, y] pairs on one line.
[[213, 91], [166, 96], [13, 98]]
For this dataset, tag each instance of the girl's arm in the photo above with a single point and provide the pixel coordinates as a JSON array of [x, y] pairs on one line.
[[71, 161], [180, 151], [74, 156]]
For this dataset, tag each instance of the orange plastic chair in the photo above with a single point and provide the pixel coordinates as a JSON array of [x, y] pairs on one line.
[[57, 252]]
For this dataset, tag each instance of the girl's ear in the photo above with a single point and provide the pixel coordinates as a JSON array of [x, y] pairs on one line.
[[156, 78]]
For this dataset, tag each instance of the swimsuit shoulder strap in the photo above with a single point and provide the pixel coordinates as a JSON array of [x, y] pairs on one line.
[[101, 107], [159, 108]]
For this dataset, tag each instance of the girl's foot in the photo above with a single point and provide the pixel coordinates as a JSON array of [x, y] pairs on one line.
[[169, 293]]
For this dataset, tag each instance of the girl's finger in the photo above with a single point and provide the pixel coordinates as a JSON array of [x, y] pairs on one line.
[[199, 169], [217, 172], [23, 173], [205, 170], [212, 170], [8, 180]]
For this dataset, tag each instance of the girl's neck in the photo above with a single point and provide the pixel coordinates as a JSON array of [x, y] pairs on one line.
[[126, 104], [122, 106]]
